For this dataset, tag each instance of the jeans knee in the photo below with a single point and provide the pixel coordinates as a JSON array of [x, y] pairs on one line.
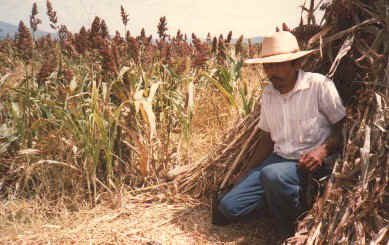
[[228, 207], [271, 178]]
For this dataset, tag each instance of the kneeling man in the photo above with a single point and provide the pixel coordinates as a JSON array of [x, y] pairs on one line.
[[302, 116]]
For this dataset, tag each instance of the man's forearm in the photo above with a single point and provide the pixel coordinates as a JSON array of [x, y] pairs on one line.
[[335, 141]]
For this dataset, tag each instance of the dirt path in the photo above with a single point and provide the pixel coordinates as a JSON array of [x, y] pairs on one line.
[[26, 222]]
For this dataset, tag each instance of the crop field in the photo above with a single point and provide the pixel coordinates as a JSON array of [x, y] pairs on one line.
[[89, 113]]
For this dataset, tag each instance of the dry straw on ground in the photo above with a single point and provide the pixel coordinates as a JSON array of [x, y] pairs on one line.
[[123, 219]]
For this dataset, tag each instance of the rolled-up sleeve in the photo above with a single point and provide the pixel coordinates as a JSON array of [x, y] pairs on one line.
[[263, 124], [330, 102]]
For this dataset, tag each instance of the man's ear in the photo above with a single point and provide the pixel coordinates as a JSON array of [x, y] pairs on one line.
[[297, 64]]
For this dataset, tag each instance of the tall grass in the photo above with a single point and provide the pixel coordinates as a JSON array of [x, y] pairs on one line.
[[96, 113]]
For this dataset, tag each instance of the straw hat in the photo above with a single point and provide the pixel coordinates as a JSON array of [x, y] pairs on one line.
[[281, 46]]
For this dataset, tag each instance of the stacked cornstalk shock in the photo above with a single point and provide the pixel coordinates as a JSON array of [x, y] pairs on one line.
[[354, 208]]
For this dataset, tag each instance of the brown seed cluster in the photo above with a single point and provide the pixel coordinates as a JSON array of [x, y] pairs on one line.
[[202, 53], [108, 58], [47, 69], [52, 15], [162, 28], [238, 45], [124, 15], [24, 42], [34, 21], [221, 53]]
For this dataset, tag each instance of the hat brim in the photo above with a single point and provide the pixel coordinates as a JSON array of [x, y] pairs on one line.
[[280, 57]]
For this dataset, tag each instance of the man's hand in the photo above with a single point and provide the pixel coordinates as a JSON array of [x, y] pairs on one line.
[[312, 160]]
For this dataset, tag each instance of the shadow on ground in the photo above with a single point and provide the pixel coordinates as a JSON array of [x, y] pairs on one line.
[[259, 229]]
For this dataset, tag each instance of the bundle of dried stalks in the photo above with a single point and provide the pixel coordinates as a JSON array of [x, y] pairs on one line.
[[237, 146], [354, 206]]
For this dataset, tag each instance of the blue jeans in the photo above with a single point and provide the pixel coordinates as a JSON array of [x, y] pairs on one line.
[[275, 184]]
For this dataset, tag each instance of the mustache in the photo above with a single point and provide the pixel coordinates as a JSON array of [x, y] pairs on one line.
[[274, 78]]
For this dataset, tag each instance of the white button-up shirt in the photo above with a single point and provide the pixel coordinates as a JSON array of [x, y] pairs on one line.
[[300, 120]]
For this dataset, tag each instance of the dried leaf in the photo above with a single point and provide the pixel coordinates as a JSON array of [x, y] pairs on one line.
[[380, 236], [29, 152], [379, 118], [318, 36], [315, 234], [346, 47], [341, 34], [123, 71], [2, 80], [386, 77], [365, 161], [191, 96], [145, 105]]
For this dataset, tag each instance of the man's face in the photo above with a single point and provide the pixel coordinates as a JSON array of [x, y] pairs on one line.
[[282, 75]]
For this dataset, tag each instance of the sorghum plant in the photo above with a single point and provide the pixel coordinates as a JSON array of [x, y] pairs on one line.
[[52, 15]]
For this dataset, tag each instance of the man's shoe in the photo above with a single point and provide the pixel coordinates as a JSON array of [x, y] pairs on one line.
[[218, 218]]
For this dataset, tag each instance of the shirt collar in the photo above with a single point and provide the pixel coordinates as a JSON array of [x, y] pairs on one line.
[[301, 84]]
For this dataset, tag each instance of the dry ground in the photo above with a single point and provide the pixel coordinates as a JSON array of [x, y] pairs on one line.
[[125, 220]]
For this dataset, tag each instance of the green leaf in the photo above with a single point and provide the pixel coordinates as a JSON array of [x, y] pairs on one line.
[[222, 89]]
